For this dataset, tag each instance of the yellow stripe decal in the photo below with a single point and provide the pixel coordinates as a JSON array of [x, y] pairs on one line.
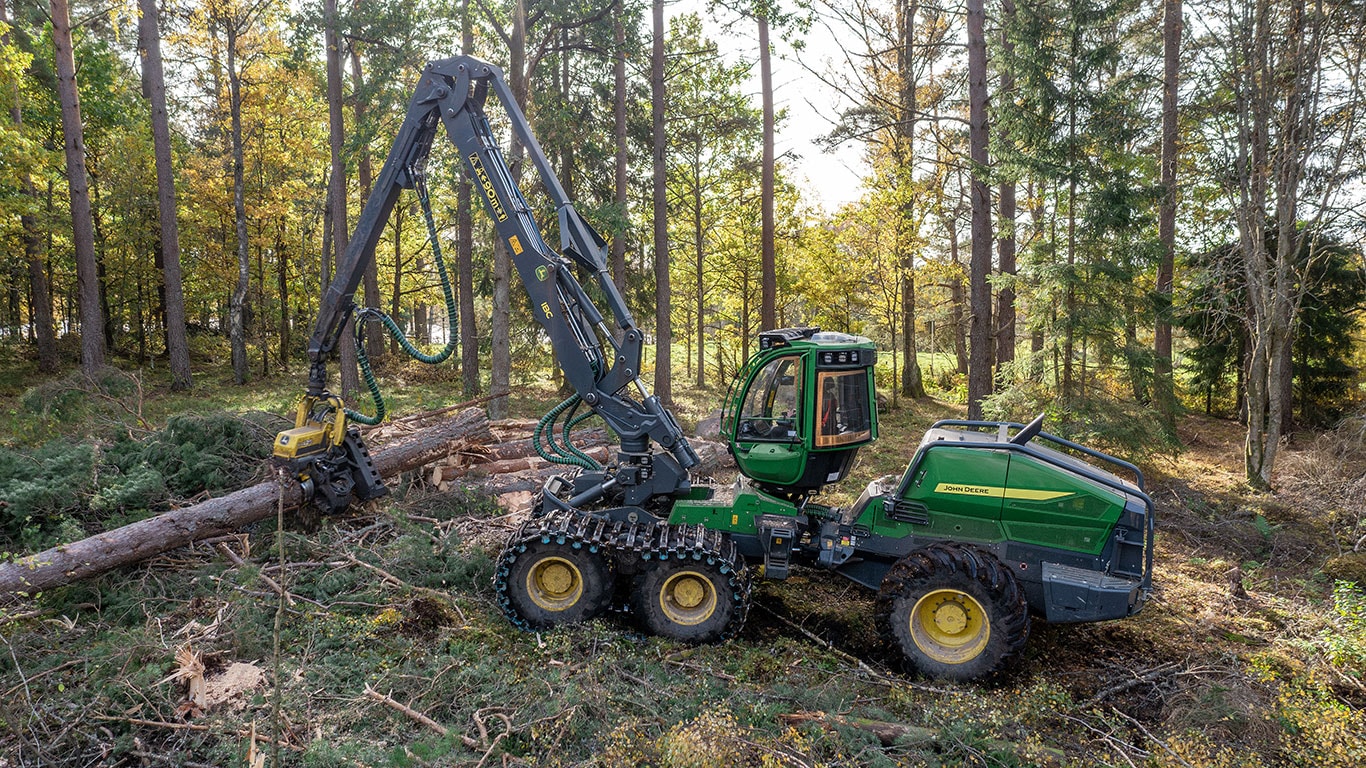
[[997, 492]]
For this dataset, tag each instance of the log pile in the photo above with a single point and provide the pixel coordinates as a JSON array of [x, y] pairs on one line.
[[510, 469], [444, 450]]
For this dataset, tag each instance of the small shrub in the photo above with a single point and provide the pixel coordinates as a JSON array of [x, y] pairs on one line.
[[1344, 643], [1320, 731]]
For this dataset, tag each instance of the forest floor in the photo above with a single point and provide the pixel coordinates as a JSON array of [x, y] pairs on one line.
[[1250, 653]]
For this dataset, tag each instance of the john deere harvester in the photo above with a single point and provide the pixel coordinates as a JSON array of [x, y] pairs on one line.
[[990, 524]]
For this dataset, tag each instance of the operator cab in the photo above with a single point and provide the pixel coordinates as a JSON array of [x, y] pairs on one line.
[[801, 408]]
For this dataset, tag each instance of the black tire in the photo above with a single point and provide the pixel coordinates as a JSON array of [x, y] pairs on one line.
[[694, 600], [954, 611], [549, 584]]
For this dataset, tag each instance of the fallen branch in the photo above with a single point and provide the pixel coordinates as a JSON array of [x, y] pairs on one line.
[[478, 718], [1132, 682], [886, 733], [44, 673], [146, 538], [415, 716], [889, 733], [441, 597], [272, 583]]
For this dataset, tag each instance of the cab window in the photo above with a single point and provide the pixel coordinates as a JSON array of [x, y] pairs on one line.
[[771, 410], [842, 413]]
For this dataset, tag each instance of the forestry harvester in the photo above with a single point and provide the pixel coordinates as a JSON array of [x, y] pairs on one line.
[[990, 524]]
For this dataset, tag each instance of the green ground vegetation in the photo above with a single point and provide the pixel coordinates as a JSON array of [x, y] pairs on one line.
[[1249, 654]]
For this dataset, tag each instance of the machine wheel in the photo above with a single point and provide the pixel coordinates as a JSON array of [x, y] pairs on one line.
[[549, 583], [695, 600], [954, 611]]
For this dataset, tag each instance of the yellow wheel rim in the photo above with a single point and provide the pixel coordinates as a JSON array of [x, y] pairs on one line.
[[554, 584], [950, 626], [687, 598]]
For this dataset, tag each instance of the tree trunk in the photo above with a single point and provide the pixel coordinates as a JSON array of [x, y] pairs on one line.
[[374, 332], [134, 543], [1166, 216], [238, 308], [282, 287], [154, 88], [620, 183], [469, 338], [82, 224], [912, 382], [663, 333], [41, 323], [979, 354], [768, 315], [957, 301], [346, 343], [1005, 247], [700, 264], [500, 377], [396, 288]]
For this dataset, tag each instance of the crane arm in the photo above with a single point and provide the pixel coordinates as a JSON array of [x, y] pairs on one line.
[[603, 368]]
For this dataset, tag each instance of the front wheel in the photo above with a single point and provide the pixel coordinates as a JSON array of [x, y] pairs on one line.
[[548, 583], [697, 601], [954, 611]]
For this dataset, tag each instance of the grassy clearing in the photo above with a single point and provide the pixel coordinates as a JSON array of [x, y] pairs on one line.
[[1250, 652]]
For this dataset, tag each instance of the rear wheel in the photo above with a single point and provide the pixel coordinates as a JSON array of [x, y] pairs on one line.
[[954, 611], [549, 583], [695, 600]]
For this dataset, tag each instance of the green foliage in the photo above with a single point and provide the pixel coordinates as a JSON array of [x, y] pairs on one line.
[[196, 453], [1213, 312], [42, 489], [1344, 643], [1120, 426], [52, 493]]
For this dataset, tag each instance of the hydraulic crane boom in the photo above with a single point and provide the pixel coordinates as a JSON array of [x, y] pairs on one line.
[[604, 372]]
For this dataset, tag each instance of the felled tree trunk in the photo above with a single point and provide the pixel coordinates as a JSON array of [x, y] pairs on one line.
[[133, 543]]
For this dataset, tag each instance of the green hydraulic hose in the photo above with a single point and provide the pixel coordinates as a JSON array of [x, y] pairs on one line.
[[363, 361]]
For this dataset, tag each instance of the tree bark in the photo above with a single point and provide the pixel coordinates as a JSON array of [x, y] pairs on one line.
[[979, 291], [768, 313], [82, 223], [238, 308], [1005, 247], [133, 543], [620, 182], [663, 333], [154, 88], [469, 338], [500, 377], [912, 382], [336, 135], [957, 301], [40, 297], [1166, 216], [374, 332]]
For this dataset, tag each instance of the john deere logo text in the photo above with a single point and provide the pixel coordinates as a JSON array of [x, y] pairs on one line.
[[486, 184], [997, 492], [969, 490], [542, 272]]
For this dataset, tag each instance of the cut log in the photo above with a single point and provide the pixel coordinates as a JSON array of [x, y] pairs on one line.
[[529, 462], [889, 734], [146, 538]]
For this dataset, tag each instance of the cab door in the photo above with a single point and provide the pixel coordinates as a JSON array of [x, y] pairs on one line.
[[769, 443]]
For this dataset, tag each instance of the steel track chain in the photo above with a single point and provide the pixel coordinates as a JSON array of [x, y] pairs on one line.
[[652, 542]]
